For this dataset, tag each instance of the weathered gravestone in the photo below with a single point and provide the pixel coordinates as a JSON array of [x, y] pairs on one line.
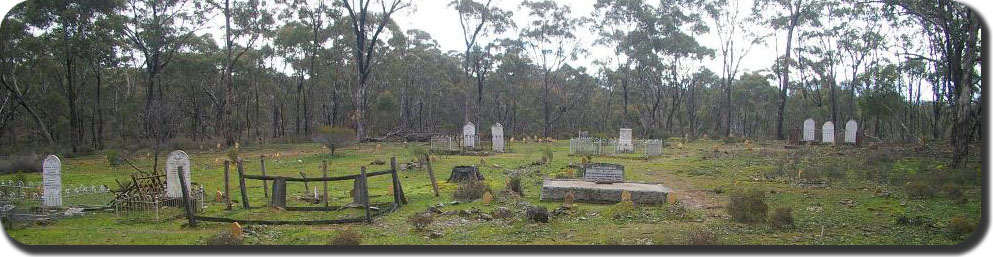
[[808, 130], [497, 131], [52, 181], [828, 132], [175, 160], [624, 143], [469, 135], [851, 131], [604, 173]]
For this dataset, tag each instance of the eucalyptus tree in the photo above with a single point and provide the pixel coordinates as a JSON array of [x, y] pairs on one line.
[[367, 25], [552, 44], [737, 37], [955, 30], [18, 70], [785, 15], [478, 20], [243, 20]]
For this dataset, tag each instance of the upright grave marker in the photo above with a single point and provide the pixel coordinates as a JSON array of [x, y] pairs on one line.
[[497, 131], [604, 173], [851, 131], [52, 181], [175, 160], [828, 132], [624, 143], [469, 135], [808, 130]]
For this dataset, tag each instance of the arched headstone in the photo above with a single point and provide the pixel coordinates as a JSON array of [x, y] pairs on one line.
[[497, 131], [828, 132], [808, 130], [175, 160], [624, 142], [851, 131], [52, 181], [469, 135]]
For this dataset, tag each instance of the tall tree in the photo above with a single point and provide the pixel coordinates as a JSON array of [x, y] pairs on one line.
[[478, 20], [736, 41], [367, 26], [552, 44]]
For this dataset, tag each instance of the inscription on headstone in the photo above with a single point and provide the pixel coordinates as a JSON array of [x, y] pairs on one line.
[[469, 135], [175, 160], [624, 143], [497, 131], [604, 173], [828, 132], [808, 130], [52, 181], [851, 131]]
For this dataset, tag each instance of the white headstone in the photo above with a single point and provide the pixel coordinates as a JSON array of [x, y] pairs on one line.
[[497, 131], [808, 130], [175, 160], [469, 135], [851, 130], [828, 132], [624, 143], [52, 181]]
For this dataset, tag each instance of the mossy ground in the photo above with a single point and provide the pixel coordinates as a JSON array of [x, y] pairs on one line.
[[847, 207]]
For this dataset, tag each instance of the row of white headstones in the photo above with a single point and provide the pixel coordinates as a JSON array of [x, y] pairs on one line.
[[52, 177], [827, 131], [469, 136]]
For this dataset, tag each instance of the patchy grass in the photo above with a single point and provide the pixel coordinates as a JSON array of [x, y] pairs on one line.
[[837, 205]]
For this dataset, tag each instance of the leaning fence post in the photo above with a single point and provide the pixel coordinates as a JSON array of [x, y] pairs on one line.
[[434, 183], [365, 195], [186, 197], [227, 184], [241, 183], [265, 183], [325, 168]]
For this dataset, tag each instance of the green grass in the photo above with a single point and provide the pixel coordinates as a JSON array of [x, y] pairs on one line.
[[701, 172]]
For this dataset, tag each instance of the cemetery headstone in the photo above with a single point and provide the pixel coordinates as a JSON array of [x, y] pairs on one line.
[[851, 131], [828, 132], [604, 173], [52, 181], [808, 130], [175, 160], [497, 131], [469, 135], [625, 143]]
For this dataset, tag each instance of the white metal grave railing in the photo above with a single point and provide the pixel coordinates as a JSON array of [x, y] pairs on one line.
[[154, 207], [598, 146], [21, 200]]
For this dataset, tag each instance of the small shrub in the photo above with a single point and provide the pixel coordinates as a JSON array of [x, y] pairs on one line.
[[514, 185], [918, 190], [25, 163], [537, 213], [960, 226], [547, 154], [502, 213], [348, 236], [113, 157], [782, 217], [420, 221], [953, 191], [225, 237], [471, 189], [748, 206], [417, 152], [700, 237], [233, 155], [334, 137], [620, 210]]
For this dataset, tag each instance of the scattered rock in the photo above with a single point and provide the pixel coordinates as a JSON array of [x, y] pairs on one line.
[[485, 217], [455, 203], [537, 213], [436, 234], [847, 202]]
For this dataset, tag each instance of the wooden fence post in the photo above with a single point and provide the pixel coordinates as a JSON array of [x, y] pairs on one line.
[[265, 184], [365, 195], [187, 204], [396, 181], [434, 183], [241, 182], [325, 168], [278, 193], [227, 184]]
